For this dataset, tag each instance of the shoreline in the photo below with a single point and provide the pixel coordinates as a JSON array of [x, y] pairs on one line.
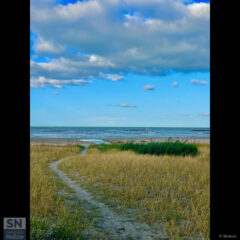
[[57, 141], [160, 139], [68, 141]]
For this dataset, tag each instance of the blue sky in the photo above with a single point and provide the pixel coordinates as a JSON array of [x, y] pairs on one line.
[[120, 63]]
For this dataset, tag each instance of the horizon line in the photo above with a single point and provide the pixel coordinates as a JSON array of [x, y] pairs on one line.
[[127, 126]]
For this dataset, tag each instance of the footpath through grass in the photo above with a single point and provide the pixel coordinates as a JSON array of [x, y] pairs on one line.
[[155, 148], [54, 212], [168, 189]]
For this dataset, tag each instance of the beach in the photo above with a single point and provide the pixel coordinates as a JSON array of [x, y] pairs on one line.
[[68, 141], [56, 141]]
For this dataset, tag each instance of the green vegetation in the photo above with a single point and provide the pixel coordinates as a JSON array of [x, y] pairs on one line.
[[154, 148], [106, 147], [167, 189], [80, 148]]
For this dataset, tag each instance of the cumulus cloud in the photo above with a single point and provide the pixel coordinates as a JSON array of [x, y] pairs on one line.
[[55, 93], [41, 82], [99, 61], [199, 82], [42, 46], [174, 84], [66, 13], [149, 87], [200, 10], [117, 37], [114, 77], [127, 105]]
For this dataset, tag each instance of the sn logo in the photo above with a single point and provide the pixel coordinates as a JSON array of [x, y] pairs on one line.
[[14, 223]]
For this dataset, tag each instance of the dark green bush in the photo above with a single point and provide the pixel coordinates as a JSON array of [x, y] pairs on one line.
[[105, 147], [155, 148]]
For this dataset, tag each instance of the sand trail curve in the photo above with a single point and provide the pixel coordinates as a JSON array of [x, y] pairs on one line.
[[118, 227]]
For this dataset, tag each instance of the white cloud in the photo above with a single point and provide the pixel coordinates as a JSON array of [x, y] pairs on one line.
[[111, 77], [55, 93], [41, 82], [151, 37], [199, 82], [53, 66], [200, 10], [99, 61], [42, 46], [174, 84], [80, 65], [149, 87], [114, 77], [127, 105], [70, 12]]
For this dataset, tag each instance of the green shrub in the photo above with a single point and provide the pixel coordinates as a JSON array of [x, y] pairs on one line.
[[154, 148], [105, 147]]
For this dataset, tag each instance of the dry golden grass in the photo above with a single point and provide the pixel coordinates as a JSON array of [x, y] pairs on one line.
[[171, 189], [50, 217], [41, 187]]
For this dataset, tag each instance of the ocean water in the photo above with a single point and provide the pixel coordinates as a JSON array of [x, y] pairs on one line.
[[100, 133]]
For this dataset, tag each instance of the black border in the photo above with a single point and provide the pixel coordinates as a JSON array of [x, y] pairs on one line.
[[224, 122], [15, 99]]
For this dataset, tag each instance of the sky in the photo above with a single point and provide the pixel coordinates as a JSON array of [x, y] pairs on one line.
[[141, 63]]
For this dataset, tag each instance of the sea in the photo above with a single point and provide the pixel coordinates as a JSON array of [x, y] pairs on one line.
[[98, 134]]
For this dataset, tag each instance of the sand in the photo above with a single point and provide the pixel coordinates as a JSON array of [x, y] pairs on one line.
[[56, 141], [35, 141]]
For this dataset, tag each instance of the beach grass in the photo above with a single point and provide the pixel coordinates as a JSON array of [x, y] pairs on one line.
[[154, 148], [50, 216], [173, 190]]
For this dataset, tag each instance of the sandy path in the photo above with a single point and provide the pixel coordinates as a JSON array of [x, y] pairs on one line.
[[118, 227]]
